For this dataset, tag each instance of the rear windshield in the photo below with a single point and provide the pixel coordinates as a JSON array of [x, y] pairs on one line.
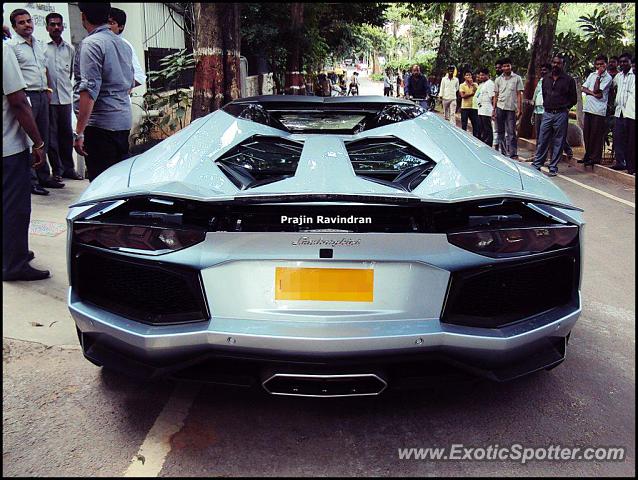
[[350, 118]]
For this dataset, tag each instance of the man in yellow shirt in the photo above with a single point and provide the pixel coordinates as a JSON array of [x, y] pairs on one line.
[[467, 91]]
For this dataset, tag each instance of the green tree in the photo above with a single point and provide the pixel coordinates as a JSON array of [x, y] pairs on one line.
[[323, 33]]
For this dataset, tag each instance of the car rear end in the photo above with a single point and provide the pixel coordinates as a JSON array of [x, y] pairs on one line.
[[324, 295]]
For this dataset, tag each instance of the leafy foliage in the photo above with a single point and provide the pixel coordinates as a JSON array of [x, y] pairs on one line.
[[176, 103], [602, 33], [329, 32]]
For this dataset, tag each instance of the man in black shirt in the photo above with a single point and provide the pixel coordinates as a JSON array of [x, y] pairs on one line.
[[559, 95], [419, 86]]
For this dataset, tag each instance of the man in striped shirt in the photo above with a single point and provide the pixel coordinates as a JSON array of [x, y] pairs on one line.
[[625, 81]]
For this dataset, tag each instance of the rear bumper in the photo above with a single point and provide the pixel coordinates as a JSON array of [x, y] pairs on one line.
[[397, 370], [400, 353]]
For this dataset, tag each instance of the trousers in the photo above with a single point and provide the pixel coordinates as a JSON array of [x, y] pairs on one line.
[[16, 212]]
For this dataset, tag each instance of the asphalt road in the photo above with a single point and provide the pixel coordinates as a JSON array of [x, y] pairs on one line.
[[62, 416]]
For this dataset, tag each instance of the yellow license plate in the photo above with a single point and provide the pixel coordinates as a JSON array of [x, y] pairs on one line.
[[324, 284]]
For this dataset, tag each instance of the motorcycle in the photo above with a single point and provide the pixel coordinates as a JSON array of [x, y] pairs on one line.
[[431, 100]]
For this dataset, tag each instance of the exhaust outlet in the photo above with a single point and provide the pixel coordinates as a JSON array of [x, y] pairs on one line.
[[308, 385]]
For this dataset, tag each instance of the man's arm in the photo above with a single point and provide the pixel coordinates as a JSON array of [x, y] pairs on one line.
[[585, 89], [86, 108], [22, 110], [519, 103], [138, 73], [494, 101], [91, 63]]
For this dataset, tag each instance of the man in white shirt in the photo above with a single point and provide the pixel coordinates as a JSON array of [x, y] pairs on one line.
[[22, 145], [60, 56], [596, 87], [625, 82], [485, 107], [117, 21], [449, 87]]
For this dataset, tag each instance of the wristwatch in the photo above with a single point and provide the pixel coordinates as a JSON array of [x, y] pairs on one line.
[[77, 135]]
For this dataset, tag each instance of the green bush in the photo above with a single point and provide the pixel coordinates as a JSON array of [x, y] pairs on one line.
[[376, 77], [425, 61]]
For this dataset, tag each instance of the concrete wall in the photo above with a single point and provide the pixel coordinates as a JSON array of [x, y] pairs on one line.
[[253, 87]]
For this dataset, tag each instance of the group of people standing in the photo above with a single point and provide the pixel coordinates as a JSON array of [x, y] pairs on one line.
[[491, 106], [494, 107], [41, 84]]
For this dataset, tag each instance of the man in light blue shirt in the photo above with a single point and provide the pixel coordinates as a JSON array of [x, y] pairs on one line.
[[596, 87], [102, 90], [59, 57]]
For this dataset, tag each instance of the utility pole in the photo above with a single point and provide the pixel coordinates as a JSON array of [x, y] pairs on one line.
[[217, 53]]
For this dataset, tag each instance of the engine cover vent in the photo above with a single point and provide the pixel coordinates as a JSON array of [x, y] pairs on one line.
[[260, 160], [389, 161]]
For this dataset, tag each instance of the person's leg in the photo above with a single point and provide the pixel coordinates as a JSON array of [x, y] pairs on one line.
[[597, 138], [508, 130], [16, 210], [487, 135], [510, 133], [544, 137], [65, 139], [631, 145], [587, 137], [53, 151], [500, 130], [453, 112], [620, 142], [446, 110], [496, 141], [101, 151], [465, 113], [538, 118], [40, 110], [593, 134], [560, 132], [567, 148], [476, 126], [121, 140]]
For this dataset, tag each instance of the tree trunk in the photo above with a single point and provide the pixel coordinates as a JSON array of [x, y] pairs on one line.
[[208, 84], [229, 16], [294, 81], [217, 52], [447, 36], [376, 68], [541, 52], [580, 115], [473, 34]]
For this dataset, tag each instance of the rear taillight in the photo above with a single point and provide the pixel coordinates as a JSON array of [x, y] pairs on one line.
[[511, 242], [137, 238]]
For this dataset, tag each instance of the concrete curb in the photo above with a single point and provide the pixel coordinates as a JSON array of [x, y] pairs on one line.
[[603, 171]]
